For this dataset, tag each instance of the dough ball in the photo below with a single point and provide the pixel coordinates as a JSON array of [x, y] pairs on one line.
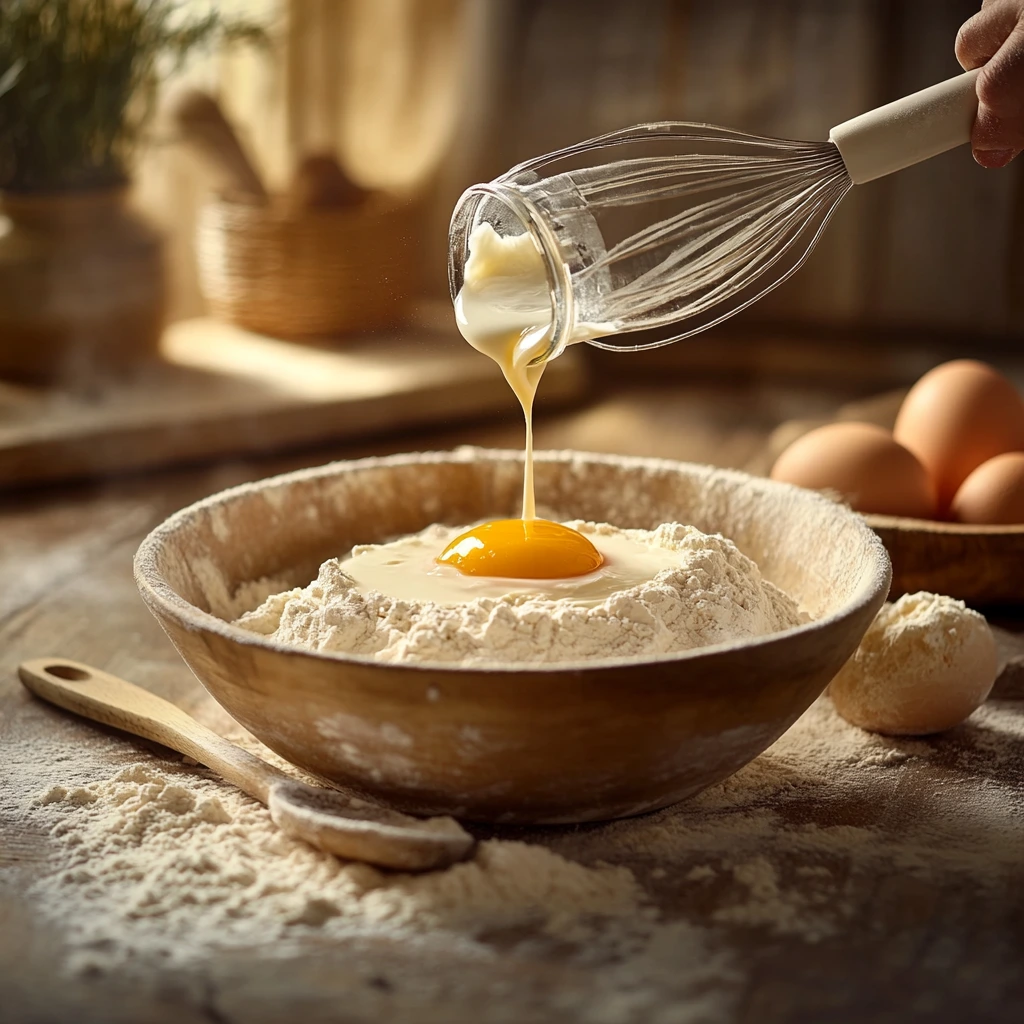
[[924, 665]]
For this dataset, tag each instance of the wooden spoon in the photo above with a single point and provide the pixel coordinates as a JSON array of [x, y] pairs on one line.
[[332, 820]]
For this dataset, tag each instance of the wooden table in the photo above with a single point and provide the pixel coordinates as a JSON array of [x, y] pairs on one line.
[[907, 950]]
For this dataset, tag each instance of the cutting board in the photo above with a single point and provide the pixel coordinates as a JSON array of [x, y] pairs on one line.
[[220, 391]]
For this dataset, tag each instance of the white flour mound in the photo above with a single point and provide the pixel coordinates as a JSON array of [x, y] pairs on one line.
[[925, 663], [713, 593]]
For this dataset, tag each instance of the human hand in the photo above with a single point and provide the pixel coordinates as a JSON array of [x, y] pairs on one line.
[[994, 37]]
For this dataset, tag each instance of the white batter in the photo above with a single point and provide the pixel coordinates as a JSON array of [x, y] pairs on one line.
[[407, 569], [695, 590]]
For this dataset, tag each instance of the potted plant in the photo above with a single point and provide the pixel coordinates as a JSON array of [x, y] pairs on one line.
[[81, 273]]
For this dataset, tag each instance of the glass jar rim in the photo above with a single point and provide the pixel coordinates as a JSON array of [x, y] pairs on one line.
[[534, 222]]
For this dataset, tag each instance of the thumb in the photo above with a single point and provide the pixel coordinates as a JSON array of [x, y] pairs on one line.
[[998, 133], [994, 142]]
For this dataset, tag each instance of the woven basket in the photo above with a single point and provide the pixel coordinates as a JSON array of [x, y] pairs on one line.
[[318, 272]]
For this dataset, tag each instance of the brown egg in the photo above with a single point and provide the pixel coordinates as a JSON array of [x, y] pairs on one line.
[[320, 181], [864, 464], [993, 493], [956, 417]]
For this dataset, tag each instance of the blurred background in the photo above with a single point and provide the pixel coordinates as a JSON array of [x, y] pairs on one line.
[[361, 122]]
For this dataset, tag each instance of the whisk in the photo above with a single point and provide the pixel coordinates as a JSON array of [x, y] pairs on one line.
[[726, 216]]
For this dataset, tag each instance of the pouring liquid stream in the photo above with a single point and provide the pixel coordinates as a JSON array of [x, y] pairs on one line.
[[504, 311]]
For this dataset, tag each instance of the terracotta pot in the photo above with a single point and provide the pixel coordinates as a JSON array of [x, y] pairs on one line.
[[81, 286]]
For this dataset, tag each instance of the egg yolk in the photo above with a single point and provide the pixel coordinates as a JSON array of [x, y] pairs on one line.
[[522, 549]]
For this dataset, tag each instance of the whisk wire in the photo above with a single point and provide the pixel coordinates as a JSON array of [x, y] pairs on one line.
[[739, 290], [694, 132], [688, 175], [750, 244], [729, 217]]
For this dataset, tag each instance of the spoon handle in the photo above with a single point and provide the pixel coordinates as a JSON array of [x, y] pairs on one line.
[[105, 698]]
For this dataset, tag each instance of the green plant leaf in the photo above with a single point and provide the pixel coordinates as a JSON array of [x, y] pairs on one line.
[[10, 76], [79, 76]]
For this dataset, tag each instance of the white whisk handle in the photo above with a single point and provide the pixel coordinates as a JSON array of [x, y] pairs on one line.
[[908, 130]]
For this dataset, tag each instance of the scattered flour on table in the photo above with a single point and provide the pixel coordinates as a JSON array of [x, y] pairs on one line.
[[711, 593], [176, 848], [159, 860]]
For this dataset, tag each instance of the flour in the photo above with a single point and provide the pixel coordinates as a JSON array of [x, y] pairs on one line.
[[926, 662], [206, 865], [711, 593], [770, 904], [161, 861]]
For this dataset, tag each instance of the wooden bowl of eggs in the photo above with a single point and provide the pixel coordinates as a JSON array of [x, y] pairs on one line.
[[569, 742], [942, 483]]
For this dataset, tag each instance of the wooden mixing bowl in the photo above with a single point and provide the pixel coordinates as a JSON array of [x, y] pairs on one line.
[[536, 744]]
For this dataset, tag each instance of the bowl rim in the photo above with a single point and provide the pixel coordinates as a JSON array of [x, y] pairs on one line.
[[159, 595], [944, 527]]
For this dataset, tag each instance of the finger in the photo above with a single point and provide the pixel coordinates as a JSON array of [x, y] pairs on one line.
[[983, 34], [993, 159], [995, 142], [1001, 81], [998, 133]]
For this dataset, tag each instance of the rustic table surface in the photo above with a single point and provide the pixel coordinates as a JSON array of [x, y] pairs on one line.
[[907, 949]]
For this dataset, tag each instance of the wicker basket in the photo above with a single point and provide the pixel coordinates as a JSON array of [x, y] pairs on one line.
[[318, 272]]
